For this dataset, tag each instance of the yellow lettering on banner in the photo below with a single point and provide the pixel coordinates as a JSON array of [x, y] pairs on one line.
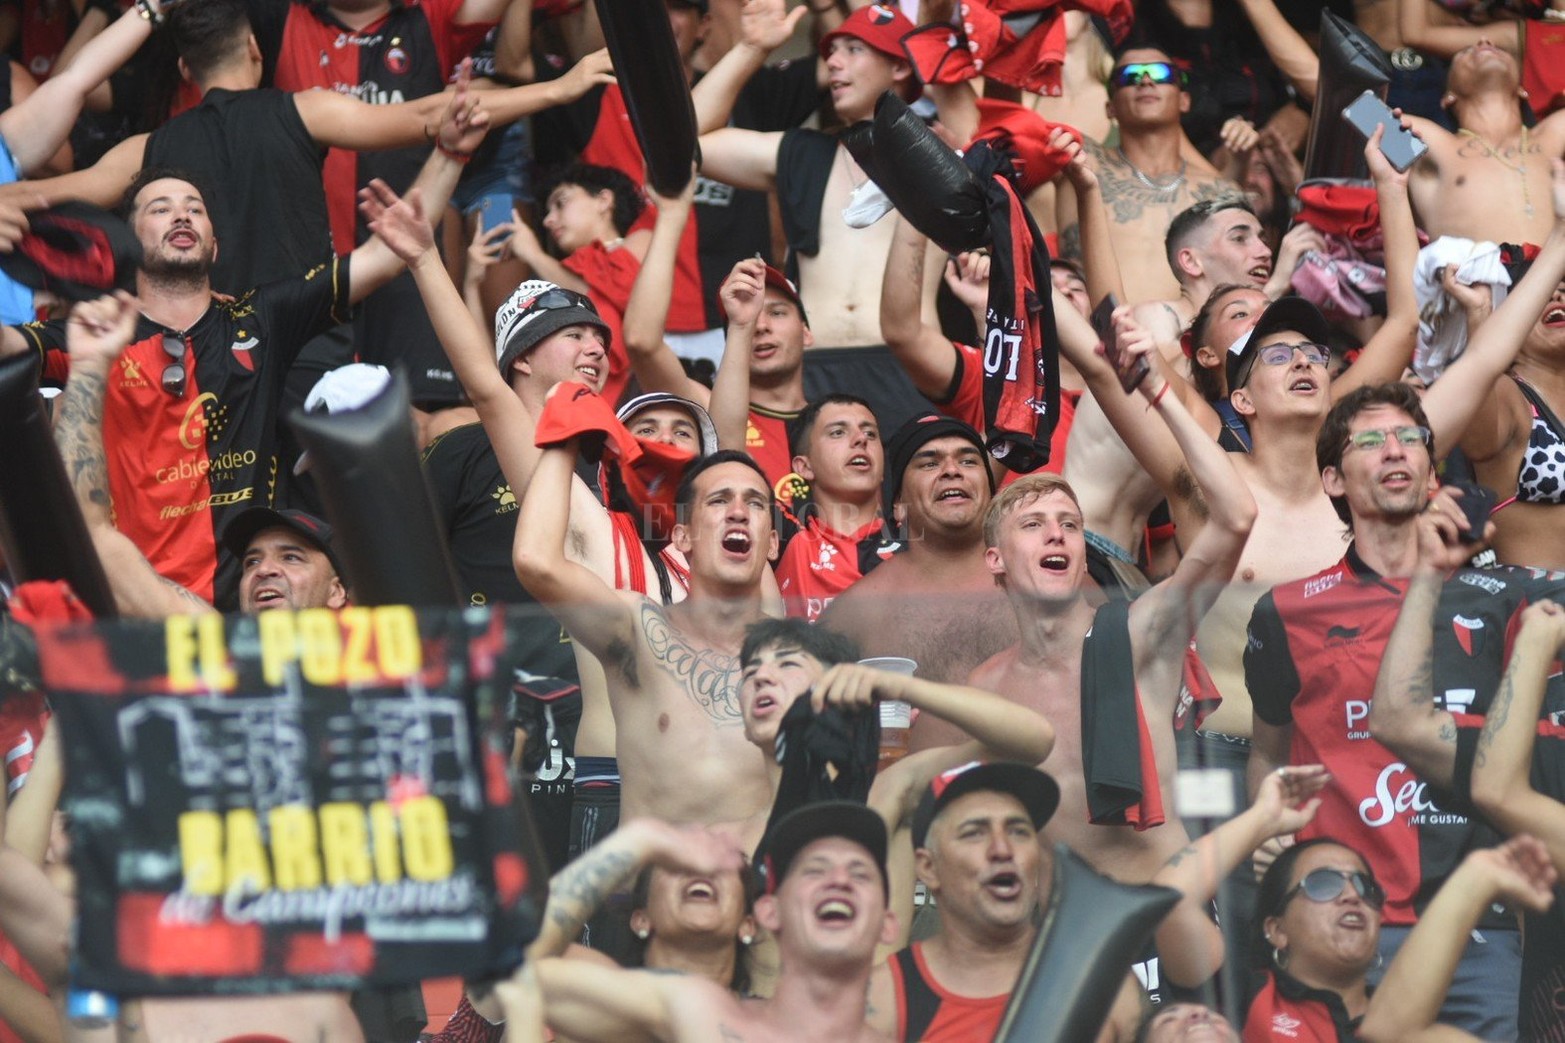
[[356, 665], [345, 844], [216, 671], [180, 644], [396, 641], [279, 644], [426, 840], [201, 851], [245, 857], [294, 858], [320, 640], [383, 831]]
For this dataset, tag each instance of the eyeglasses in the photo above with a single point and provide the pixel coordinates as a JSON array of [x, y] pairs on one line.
[[1407, 434], [1143, 72], [174, 375], [1325, 885], [1282, 354]]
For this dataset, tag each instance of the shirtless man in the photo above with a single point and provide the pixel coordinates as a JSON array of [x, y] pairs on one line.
[[1037, 553], [934, 602], [673, 671], [826, 903], [1152, 175], [839, 267]]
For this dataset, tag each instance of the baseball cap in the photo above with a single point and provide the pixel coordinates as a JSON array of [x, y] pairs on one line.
[[801, 827], [1039, 793], [881, 26], [784, 285], [536, 309], [341, 389], [74, 250], [703, 419], [913, 436], [242, 528], [1285, 313]]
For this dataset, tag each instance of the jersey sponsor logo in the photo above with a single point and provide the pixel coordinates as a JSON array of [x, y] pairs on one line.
[[370, 92], [241, 348], [504, 498], [130, 371], [1337, 635], [193, 471], [1397, 792], [1487, 584], [1357, 711], [397, 61], [1469, 633], [713, 193], [791, 488], [1459, 700], [219, 500], [1286, 1025], [357, 40], [1321, 584], [824, 560], [193, 428]]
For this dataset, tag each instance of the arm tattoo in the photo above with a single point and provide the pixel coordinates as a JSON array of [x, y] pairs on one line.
[[711, 679], [1421, 683], [79, 435], [1179, 856], [1499, 710], [196, 603], [1070, 241], [580, 890]]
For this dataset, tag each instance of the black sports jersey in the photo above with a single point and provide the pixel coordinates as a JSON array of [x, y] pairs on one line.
[[1314, 650], [180, 465]]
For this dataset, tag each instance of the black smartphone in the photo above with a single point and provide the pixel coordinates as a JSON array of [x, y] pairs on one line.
[[1400, 147], [1131, 370], [1477, 503]]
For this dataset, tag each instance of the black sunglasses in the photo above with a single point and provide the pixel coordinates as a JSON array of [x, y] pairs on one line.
[[1325, 885], [174, 376], [555, 299]]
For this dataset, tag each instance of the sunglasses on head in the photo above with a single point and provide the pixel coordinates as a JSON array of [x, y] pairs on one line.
[[1407, 434], [556, 299], [1144, 72], [1325, 885], [174, 374]]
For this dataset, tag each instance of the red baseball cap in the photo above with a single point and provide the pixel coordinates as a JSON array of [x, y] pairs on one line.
[[881, 26]]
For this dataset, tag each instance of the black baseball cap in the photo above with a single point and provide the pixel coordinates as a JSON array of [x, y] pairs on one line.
[[801, 827], [913, 436], [243, 527], [1039, 793], [1285, 313]]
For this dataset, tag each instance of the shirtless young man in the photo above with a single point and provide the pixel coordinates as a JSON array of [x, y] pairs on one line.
[[1037, 553], [672, 671], [826, 903], [839, 267], [1151, 176], [934, 602]]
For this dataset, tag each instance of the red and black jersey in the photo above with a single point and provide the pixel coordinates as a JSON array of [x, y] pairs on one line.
[[928, 1012], [766, 440], [1288, 1011], [819, 562], [181, 465], [964, 401], [407, 54], [1313, 651]]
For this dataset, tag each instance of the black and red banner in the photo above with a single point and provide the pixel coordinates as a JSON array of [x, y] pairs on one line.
[[293, 800]]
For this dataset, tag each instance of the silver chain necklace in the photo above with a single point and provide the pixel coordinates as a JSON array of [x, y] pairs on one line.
[[1168, 187]]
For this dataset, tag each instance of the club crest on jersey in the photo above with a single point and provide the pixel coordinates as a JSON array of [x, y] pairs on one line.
[[1469, 634], [397, 61], [242, 347]]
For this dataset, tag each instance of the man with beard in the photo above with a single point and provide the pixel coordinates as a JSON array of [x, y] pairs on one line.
[[190, 416]]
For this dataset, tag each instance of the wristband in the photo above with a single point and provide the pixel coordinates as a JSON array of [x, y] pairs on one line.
[[1159, 396], [451, 153], [149, 12]]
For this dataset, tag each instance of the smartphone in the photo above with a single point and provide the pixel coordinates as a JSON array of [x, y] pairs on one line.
[[493, 211], [1400, 147], [1131, 370], [1477, 503]]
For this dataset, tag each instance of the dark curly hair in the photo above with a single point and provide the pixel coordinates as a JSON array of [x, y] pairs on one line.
[[628, 200]]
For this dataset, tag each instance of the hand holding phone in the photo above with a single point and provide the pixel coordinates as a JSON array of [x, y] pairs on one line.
[[1477, 503], [1130, 369], [1400, 146]]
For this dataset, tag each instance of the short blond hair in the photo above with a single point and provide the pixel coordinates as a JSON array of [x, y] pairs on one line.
[[1024, 490]]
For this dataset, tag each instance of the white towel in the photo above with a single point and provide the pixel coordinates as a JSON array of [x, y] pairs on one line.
[[1442, 325]]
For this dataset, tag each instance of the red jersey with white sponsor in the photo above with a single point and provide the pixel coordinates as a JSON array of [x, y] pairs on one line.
[[407, 54], [1314, 649], [964, 401], [819, 563], [1288, 1011], [766, 440], [181, 464]]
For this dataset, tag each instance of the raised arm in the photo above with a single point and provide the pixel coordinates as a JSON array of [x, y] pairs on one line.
[[36, 128], [743, 295], [102, 184], [1502, 785], [462, 129], [1289, 51], [1443, 41], [764, 25], [920, 348], [96, 333], [1402, 714], [653, 362], [1408, 999], [1092, 220], [589, 1001], [1190, 944], [1462, 405], [602, 620]]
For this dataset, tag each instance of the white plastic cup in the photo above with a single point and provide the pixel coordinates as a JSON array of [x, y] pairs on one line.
[[896, 717]]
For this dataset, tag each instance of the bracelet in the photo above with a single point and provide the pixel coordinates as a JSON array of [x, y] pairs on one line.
[[1159, 396], [149, 12], [451, 153]]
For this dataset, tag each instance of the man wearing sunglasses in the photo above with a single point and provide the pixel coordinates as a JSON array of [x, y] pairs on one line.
[[1316, 645], [1152, 175]]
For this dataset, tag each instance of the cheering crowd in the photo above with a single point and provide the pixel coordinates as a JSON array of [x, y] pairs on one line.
[[819, 687]]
